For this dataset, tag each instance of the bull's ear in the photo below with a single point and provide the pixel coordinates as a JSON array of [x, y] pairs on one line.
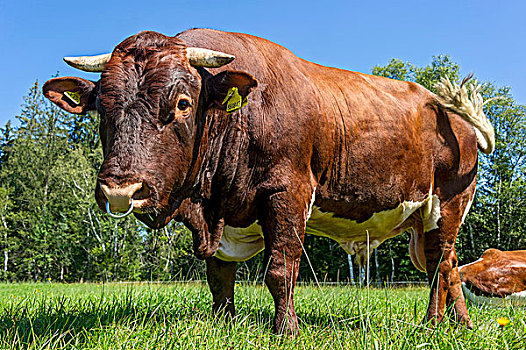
[[220, 85], [75, 95]]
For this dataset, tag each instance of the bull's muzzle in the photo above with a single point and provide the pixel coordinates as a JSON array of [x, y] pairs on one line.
[[120, 199], [119, 216]]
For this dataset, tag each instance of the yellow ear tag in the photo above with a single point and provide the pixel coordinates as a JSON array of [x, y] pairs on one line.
[[233, 100], [73, 96]]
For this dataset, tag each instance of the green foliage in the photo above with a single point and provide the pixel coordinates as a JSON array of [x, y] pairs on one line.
[[426, 76]]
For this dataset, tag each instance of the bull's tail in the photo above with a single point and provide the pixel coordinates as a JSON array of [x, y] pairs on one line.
[[469, 106]]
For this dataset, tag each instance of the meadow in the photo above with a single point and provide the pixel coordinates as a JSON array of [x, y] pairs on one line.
[[177, 316]]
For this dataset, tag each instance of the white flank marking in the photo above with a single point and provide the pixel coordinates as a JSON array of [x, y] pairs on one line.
[[379, 225], [466, 211], [313, 197], [515, 299], [431, 213]]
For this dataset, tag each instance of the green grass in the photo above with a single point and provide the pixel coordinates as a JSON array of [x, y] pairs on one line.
[[177, 316]]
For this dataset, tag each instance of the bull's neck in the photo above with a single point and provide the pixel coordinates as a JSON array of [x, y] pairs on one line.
[[216, 151]]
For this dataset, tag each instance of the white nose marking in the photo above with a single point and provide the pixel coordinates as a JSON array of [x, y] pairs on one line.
[[119, 197]]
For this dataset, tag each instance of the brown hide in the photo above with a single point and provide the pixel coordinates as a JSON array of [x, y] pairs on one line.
[[368, 143], [361, 144], [496, 273]]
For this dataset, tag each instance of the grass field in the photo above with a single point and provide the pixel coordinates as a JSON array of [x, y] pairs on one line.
[[177, 316]]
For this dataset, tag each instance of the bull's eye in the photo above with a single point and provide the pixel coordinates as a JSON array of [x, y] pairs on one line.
[[181, 110], [183, 104]]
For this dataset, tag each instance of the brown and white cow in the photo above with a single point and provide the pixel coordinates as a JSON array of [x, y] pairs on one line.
[[350, 156], [497, 278]]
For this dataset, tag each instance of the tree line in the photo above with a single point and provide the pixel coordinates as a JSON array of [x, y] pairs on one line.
[[51, 228]]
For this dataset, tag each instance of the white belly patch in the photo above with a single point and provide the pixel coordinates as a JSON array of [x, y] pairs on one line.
[[240, 244], [352, 235], [515, 299]]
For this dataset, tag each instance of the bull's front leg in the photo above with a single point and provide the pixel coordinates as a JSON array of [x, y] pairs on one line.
[[283, 217], [221, 277]]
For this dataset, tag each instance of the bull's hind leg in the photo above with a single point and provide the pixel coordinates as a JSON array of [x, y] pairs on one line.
[[455, 302], [441, 262], [283, 216], [221, 277]]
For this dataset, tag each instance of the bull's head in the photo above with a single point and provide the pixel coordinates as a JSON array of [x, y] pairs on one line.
[[151, 98]]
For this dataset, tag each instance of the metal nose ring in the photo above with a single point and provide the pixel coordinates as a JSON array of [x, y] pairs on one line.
[[119, 216]]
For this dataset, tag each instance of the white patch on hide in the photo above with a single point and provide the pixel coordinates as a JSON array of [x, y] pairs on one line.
[[471, 263], [313, 197], [431, 213], [350, 233], [466, 210], [240, 244], [515, 299]]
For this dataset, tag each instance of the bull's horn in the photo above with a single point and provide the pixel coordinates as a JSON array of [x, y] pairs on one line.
[[89, 63], [199, 57]]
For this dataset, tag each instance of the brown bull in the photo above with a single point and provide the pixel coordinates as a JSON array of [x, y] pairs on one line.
[[497, 278], [354, 157]]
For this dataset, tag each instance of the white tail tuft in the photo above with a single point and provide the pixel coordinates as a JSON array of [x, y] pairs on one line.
[[469, 106]]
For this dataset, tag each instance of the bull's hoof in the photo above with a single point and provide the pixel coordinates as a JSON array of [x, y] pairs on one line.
[[432, 320], [224, 311], [464, 321], [288, 328]]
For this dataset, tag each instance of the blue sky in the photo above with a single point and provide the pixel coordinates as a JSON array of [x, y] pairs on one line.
[[486, 37]]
